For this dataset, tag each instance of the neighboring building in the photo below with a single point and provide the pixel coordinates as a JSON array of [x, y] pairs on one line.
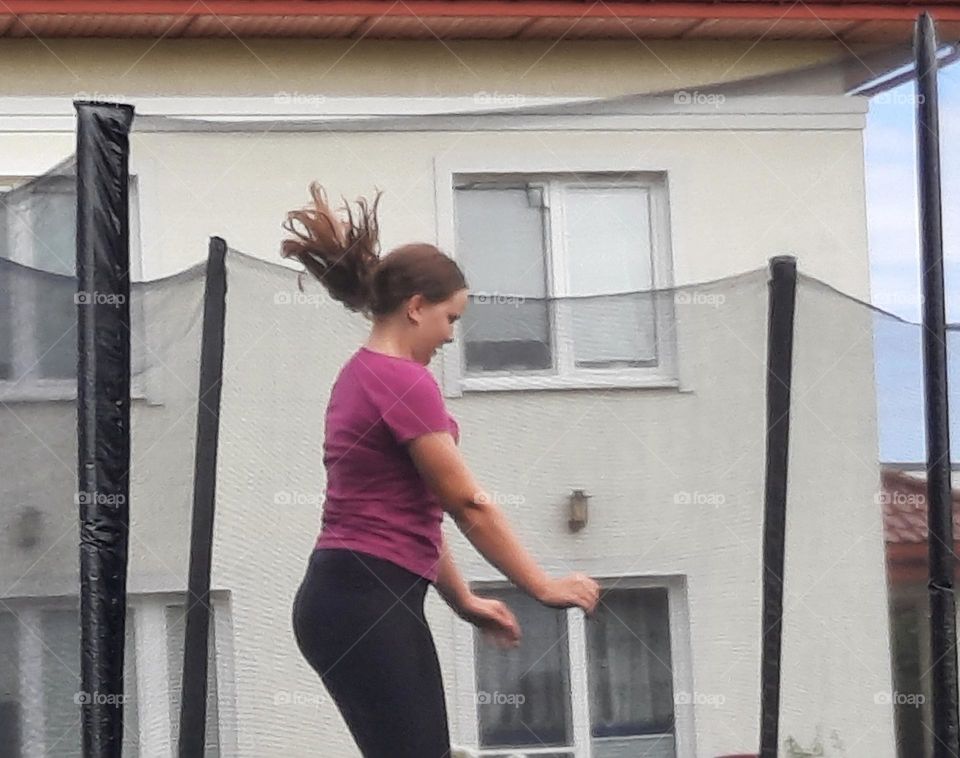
[[653, 405], [904, 500], [903, 497]]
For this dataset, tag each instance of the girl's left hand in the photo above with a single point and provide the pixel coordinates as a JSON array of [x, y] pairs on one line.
[[493, 618]]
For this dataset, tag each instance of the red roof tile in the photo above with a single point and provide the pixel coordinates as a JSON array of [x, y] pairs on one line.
[[846, 20], [904, 499]]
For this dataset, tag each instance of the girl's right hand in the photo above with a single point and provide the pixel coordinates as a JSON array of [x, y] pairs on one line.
[[573, 590]]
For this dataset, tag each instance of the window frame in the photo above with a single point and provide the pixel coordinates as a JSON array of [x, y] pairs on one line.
[[155, 728], [452, 171], [681, 657], [33, 388]]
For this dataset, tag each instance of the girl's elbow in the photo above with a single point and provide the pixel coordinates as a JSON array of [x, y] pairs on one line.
[[467, 508]]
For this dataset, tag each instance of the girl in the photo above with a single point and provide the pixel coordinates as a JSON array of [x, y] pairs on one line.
[[393, 468]]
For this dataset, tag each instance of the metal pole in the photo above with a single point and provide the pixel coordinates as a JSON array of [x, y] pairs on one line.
[[782, 293], [193, 703], [943, 619]]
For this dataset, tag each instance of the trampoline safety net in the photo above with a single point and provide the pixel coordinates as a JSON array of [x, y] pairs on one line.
[[671, 456]]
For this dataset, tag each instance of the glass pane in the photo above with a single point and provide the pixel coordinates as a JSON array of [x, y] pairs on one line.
[[55, 316], [131, 708], [500, 245], [6, 322], [629, 669], [176, 628], [60, 636], [60, 633], [39, 230], [18, 239], [53, 219], [523, 695], [10, 730], [615, 331], [609, 251], [7, 361], [650, 746], [909, 631]]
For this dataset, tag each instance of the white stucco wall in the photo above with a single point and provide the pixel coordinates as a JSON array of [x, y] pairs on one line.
[[375, 67], [745, 183]]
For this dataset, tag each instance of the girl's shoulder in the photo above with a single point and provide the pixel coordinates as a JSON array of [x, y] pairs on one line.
[[382, 373]]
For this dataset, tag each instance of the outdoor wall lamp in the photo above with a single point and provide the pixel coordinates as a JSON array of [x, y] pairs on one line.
[[578, 508]]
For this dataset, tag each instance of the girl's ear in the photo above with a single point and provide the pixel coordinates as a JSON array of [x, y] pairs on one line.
[[414, 307]]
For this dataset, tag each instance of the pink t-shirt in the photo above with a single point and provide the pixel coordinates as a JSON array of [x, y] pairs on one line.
[[376, 501]]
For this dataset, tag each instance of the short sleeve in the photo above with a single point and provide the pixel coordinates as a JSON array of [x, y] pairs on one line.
[[415, 407]]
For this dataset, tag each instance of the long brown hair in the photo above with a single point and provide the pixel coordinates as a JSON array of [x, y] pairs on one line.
[[343, 254]]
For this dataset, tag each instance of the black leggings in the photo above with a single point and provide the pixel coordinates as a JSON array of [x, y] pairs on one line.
[[359, 622]]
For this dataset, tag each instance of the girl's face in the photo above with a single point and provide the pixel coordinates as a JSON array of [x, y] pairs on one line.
[[434, 322]]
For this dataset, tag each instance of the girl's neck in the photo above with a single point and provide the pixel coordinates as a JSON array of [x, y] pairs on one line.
[[382, 341]]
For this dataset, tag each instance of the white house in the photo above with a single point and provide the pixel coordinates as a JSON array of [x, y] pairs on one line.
[[579, 150]]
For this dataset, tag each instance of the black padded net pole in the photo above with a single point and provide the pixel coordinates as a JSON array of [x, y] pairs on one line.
[[783, 290], [103, 416], [943, 624], [193, 704]]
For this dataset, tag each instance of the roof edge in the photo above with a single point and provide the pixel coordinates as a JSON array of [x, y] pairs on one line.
[[826, 11]]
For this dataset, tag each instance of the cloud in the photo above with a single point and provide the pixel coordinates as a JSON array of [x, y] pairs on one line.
[[892, 205]]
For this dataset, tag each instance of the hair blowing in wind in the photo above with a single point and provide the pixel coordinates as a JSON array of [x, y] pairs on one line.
[[341, 254]]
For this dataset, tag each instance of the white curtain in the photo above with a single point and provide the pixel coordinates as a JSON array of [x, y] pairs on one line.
[[630, 672], [523, 695]]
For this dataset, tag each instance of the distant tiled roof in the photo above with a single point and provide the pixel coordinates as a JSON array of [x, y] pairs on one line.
[[904, 499]]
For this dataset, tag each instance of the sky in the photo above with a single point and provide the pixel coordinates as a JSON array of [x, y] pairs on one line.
[[892, 211], [892, 221]]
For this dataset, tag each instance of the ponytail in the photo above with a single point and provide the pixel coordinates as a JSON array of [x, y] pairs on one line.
[[342, 255]]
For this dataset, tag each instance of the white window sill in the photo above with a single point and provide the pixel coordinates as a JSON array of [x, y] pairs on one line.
[[578, 381], [53, 390], [518, 752]]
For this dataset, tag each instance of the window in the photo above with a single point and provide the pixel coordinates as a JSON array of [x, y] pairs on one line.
[[38, 307], [566, 276], [523, 694], [630, 675], [619, 665], [912, 663], [40, 690], [176, 621]]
